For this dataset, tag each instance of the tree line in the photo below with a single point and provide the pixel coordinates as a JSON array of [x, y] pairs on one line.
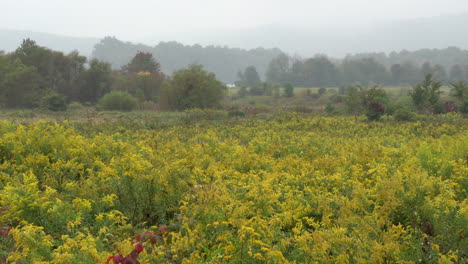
[[321, 71], [222, 61], [34, 76], [32, 72], [274, 66]]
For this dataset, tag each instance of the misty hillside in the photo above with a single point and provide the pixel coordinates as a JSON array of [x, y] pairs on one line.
[[422, 33], [434, 32], [223, 61], [11, 39], [417, 40]]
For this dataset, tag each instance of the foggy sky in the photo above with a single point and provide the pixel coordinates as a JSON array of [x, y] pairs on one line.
[[139, 19]]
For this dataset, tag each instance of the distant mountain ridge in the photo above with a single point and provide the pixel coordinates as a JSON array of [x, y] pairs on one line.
[[421, 33]]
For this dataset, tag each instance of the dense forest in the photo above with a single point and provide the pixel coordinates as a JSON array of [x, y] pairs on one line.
[[446, 57], [33, 72], [35, 76], [274, 66], [223, 61], [404, 68]]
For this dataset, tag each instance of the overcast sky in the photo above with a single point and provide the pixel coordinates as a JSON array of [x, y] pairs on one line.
[[139, 19]]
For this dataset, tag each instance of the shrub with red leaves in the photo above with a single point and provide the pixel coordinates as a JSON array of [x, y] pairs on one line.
[[375, 110], [116, 259], [140, 240], [4, 232]]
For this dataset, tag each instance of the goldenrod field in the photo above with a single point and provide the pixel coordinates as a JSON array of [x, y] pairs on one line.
[[285, 189]]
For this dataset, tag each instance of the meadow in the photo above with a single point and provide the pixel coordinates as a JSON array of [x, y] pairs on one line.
[[202, 187], [310, 100]]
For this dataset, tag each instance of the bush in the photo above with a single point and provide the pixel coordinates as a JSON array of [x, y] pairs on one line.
[[322, 91], [330, 109], [288, 90], [54, 102], [450, 106], [336, 99], [426, 95], [243, 91], [404, 114], [149, 105], [464, 107], [374, 111], [236, 113], [118, 100], [75, 106], [193, 87]]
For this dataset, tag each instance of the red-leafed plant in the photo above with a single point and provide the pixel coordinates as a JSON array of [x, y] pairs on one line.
[[143, 241], [4, 232]]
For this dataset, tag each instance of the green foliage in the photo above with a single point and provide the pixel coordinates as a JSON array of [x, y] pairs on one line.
[[58, 72], [249, 77], [374, 111], [192, 88], [223, 61], [236, 113], [264, 88], [322, 91], [19, 84], [459, 90], [330, 109], [426, 95], [97, 82], [54, 102], [243, 91], [405, 73], [354, 99], [288, 90], [278, 69], [464, 107], [371, 101], [118, 100], [75, 106], [317, 71], [32, 71], [142, 62], [457, 74], [404, 114]]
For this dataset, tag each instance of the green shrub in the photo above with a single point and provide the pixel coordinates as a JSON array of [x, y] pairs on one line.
[[426, 95], [403, 114], [374, 111], [330, 109], [243, 91], [54, 102], [192, 87], [464, 107], [336, 99], [118, 100], [75, 106], [149, 105], [322, 91], [288, 90], [236, 113]]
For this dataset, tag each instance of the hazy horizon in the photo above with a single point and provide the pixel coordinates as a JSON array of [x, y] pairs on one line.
[[333, 27], [142, 20]]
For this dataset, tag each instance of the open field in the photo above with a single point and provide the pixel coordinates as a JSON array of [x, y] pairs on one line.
[[285, 188], [307, 99]]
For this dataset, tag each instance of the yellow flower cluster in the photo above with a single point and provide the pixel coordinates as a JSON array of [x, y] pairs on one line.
[[291, 189]]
